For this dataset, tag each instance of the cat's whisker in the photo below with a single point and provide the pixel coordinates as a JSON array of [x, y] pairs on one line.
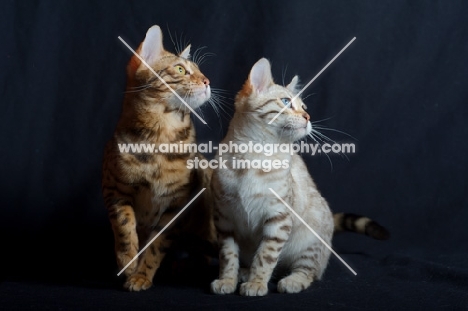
[[203, 58], [181, 43], [284, 73], [213, 104], [330, 161], [226, 100], [322, 120], [223, 103], [307, 96], [196, 54], [330, 140], [333, 130], [221, 91], [316, 128], [318, 141], [311, 136], [174, 43], [325, 138], [218, 107], [136, 90], [223, 106], [199, 58], [139, 88]]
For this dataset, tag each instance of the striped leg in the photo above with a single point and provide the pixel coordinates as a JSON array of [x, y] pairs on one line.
[[276, 232], [228, 266], [228, 247], [151, 258], [304, 270], [148, 264], [123, 223]]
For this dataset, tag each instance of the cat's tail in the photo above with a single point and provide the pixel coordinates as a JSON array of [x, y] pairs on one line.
[[360, 224]]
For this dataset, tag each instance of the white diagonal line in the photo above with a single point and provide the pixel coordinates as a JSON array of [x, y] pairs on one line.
[[315, 233], [313, 79], [161, 79], [160, 232]]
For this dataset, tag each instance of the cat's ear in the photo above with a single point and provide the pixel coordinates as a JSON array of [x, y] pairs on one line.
[[293, 85], [260, 75], [152, 48], [186, 52]]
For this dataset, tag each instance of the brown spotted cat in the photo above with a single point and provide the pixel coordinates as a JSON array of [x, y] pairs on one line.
[[143, 192], [256, 231]]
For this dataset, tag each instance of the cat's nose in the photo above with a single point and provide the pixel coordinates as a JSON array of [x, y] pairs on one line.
[[306, 116], [206, 81]]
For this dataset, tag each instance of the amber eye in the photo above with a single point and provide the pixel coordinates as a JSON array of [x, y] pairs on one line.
[[180, 69]]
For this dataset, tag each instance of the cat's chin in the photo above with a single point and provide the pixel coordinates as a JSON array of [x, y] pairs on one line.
[[304, 131], [194, 101], [199, 97], [299, 132], [204, 93], [198, 101]]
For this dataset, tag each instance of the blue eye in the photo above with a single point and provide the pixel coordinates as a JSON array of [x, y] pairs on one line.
[[286, 101]]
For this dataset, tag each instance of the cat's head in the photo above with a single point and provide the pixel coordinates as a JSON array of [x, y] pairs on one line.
[[261, 100], [180, 74]]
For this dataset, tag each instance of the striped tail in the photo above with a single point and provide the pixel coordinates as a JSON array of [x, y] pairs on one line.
[[360, 224]]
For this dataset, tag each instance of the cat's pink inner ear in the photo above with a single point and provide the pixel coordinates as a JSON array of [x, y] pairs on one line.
[[152, 48], [186, 52], [260, 76]]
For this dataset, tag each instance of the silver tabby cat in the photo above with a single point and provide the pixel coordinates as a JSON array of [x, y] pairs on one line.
[[256, 230]]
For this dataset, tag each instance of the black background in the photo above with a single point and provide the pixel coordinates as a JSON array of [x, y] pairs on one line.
[[399, 89]]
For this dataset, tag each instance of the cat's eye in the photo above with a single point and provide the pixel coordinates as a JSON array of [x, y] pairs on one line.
[[304, 107], [286, 101], [180, 69]]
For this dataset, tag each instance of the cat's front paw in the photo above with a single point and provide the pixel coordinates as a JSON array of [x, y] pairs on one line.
[[137, 282], [291, 284], [253, 289], [223, 286]]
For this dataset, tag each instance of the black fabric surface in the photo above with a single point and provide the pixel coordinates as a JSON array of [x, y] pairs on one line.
[[399, 89]]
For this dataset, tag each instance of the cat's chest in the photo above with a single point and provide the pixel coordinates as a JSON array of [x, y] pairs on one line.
[[248, 228], [252, 206]]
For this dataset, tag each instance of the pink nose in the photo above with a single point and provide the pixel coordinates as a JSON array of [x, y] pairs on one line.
[[306, 116], [206, 81]]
